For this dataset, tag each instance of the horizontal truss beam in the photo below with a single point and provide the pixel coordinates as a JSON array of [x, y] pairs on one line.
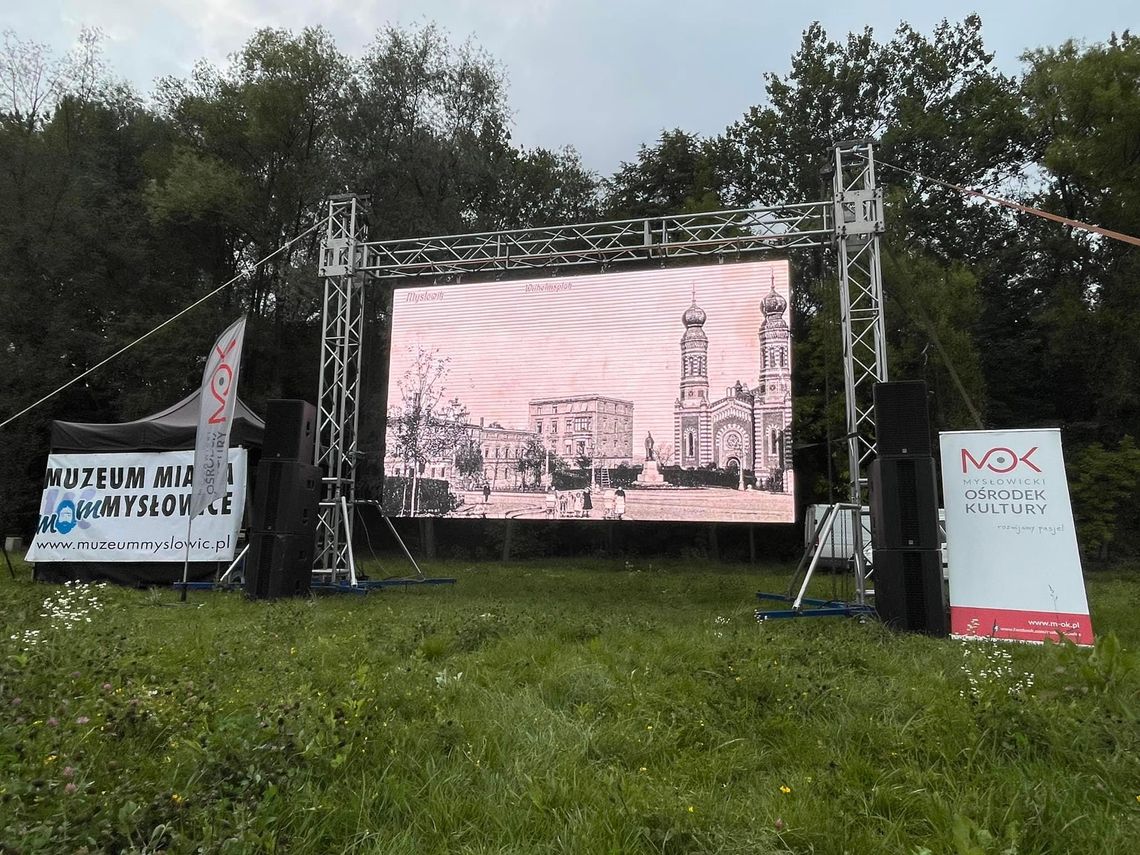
[[715, 233]]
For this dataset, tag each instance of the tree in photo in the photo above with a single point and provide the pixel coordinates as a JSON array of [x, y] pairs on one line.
[[469, 461], [426, 425], [536, 460]]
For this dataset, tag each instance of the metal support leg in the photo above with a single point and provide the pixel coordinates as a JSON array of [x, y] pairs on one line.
[[348, 543], [225, 576], [403, 545], [826, 525]]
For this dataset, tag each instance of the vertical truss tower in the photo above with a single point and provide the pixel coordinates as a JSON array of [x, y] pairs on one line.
[[859, 222], [342, 327], [851, 223]]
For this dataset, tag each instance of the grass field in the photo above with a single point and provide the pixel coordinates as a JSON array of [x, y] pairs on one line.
[[587, 707]]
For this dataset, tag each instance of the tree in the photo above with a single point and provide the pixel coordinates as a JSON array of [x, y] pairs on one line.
[[535, 459], [426, 425], [427, 137], [934, 307], [33, 84], [1104, 484], [1083, 109], [256, 147], [469, 461], [680, 174], [540, 187], [78, 268], [834, 91], [935, 102]]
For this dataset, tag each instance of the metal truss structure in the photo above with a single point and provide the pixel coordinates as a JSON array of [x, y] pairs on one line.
[[338, 413], [719, 233], [852, 222], [859, 221]]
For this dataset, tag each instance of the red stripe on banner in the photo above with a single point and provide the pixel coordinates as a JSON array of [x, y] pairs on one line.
[[1018, 625]]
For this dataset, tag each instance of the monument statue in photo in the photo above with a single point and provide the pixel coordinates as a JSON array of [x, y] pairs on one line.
[[650, 475]]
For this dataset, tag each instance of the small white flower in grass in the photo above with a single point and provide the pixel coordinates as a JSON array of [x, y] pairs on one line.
[[443, 678], [989, 668]]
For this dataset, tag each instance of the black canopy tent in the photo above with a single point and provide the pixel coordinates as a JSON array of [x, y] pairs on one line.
[[172, 429]]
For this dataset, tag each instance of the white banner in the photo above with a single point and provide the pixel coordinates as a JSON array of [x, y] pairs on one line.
[[134, 507], [215, 416], [1015, 568]]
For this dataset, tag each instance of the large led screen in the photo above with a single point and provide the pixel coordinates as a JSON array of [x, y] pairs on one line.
[[648, 395]]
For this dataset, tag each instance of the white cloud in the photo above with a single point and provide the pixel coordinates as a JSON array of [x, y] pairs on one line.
[[602, 75]]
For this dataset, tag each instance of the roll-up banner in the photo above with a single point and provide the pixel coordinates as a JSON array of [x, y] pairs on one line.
[[216, 417], [1015, 568], [134, 507]]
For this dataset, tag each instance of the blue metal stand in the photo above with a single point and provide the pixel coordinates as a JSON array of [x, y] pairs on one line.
[[338, 588], [397, 583], [362, 586], [818, 608]]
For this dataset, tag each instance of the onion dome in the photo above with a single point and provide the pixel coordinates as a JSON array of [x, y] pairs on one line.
[[694, 315], [773, 304]]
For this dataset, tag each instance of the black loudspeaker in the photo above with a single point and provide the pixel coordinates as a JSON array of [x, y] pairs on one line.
[[290, 430], [286, 497], [904, 503], [278, 565], [902, 420], [908, 590], [285, 503]]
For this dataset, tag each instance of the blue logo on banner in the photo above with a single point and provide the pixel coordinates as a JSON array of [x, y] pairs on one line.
[[65, 519]]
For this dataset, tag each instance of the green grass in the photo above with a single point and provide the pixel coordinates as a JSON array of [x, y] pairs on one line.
[[585, 707]]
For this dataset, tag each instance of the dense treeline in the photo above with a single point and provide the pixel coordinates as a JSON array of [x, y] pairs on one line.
[[116, 210]]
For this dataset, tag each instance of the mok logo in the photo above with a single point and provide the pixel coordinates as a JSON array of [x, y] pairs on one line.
[[221, 381], [1001, 460]]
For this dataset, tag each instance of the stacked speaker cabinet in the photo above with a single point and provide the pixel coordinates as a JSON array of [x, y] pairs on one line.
[[904, 508], [290, 430], [907, 554], [285, 503]]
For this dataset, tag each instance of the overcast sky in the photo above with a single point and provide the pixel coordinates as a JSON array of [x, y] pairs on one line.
[[602, 75]]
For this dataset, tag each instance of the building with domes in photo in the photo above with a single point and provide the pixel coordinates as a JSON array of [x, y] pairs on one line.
[[749, 427]]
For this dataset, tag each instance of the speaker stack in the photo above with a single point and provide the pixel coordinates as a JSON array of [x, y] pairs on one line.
[[907, 555], [285, 504]]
